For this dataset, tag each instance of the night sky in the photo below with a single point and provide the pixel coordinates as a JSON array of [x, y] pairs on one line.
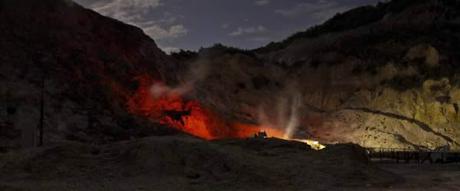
[[191, 24]]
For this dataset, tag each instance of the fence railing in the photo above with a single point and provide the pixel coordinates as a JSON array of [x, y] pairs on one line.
[[420, 156]]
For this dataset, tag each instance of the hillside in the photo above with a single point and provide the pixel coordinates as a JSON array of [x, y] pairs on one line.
[[119, 114], [374, 76], [82, 66], [378, 76]]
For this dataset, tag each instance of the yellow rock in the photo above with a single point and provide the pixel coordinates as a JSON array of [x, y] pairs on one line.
[[426, 52]]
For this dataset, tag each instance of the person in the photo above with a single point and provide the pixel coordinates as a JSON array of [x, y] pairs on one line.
[[261, 135], [178, 115]]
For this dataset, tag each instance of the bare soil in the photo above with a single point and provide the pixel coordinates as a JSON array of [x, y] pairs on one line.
[[187, 163], [425, 176]]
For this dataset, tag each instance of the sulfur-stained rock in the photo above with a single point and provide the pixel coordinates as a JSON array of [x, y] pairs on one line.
[[427, 53]]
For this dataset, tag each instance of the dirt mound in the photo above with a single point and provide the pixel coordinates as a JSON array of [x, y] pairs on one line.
[[185, 163]]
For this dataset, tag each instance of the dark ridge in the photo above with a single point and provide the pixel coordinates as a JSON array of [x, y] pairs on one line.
[[184, 55], [352, 19], [220, 49]]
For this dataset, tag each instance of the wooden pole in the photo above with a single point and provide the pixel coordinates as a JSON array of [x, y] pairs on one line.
[[42, 111]]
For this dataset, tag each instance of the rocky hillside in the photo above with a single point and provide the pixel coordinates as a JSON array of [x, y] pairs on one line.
[[379, 76], [80, 65]]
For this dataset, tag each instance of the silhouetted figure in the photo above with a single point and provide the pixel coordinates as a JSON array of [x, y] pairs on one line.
[[261, 135], [178, 115]]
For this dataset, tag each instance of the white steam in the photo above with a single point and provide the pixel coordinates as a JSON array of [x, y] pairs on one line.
[[159, 90], [197, 71], [288, 114], [293, 123]]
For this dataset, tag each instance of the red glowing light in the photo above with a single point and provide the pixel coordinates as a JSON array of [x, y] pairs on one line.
[[170, 108]]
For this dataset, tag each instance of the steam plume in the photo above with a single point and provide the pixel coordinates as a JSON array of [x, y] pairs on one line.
[[197, 71], [293, 123], [288, 114]]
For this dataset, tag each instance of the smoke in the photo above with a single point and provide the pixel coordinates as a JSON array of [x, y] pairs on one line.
[[161, 90], [288, 114], [196, 72], [293, 123]]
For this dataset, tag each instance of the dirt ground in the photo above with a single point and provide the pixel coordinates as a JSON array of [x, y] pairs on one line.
[[186, 163], [425, 176]]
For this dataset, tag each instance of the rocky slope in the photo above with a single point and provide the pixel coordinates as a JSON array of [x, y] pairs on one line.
[[375, 76], [379, 76], [387, 80], [82, 66]]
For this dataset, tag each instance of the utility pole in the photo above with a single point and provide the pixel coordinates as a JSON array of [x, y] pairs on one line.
[[42, 112]]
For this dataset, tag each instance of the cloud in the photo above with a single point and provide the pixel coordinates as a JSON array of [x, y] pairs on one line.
[[262, 2], [319, 10], [248, 30], [159, 33], [225, 26], [169, 49], [136, 12], [128, 11]]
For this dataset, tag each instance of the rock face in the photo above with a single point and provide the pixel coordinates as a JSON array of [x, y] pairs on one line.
[[80, 65], [375, 76]]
